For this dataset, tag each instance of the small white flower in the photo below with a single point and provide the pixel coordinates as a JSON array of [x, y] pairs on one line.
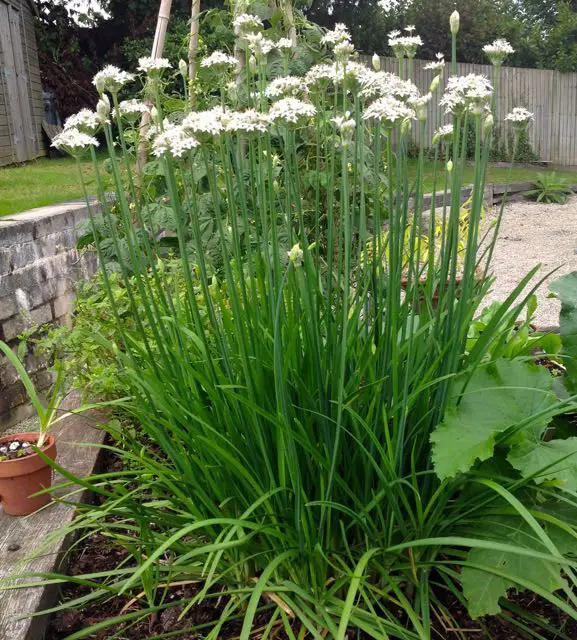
[[128, 107], [443, 133], [498, 50], [519, 116], [285, 86], [207, 123], [284, 44], [175, 141], [291, 110], [389, 110], [249, 121], [394, 34], [73, 141], [258, 44], [111, 79], [344, 50], [296, 255], [246, 22], [436, 66], [346, 127], [151, 65], [471, 93], [85, 121], [218, 58], [410, 28], [339, 34]]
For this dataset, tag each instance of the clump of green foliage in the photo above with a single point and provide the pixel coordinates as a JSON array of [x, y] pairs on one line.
[[550, 188]]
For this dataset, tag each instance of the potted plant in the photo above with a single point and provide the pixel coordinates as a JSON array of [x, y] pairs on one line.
[[23, 472]]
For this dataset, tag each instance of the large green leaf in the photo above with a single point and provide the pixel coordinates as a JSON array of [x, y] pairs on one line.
[[483, 589], [498, 397], [566, 289], [554, 461]]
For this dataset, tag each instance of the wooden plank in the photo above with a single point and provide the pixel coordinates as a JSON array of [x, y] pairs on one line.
[[11, 85], [22, 82], [19, 536]]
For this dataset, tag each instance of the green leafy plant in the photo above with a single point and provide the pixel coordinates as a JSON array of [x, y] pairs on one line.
[[550, 187], [286, 402]]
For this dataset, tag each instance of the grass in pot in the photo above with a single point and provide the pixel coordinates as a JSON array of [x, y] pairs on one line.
[[23, 472]]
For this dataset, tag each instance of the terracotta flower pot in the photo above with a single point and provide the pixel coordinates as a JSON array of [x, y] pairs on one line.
[[22, 477]]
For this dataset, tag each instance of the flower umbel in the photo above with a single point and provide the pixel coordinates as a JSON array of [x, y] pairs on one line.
[[291, 110], [85, 121], [217, 59], [153, 66], [175, 141], [285, 86], [246, 22], [111, 79], [519, 116], [389, 110], [497, 51], [296, 255], [73, 141]]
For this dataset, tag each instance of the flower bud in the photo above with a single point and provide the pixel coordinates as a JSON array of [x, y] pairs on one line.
[[99, 81], [252, 64], [434, 84], [454, 22], [296, 255], [183, 68], [449, 166], [376, 62], [488, 124], [154, 114], [103, 107]]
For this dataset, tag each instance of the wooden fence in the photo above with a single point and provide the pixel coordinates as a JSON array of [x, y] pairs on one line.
[[550, 95]]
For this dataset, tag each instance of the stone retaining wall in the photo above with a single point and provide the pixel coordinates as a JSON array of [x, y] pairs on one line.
[[39, 265]]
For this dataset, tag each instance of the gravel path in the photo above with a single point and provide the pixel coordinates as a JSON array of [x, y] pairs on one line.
[[530, 234]]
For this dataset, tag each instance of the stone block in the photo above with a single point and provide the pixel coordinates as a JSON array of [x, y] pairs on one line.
[[5, 262], [14, 232], [55, 243], [63, 305], [42, 315], [13, 327], [8, 374], [24, 254], [12, 396], [8, 307]]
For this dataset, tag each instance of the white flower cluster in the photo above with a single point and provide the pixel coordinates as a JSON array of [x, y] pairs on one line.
[[471, 93], [111, 79], [404, 45], [73, 141], [175, 140], [437, 65], [211, 122], [344, 50], [85, 121], [498, 50], [248, 121], [443, 133], [338, 35], [246, 22], [151, 65], [258, 44], [285, 44], [291, 110], [285, 86], [389, 110], [420, 105], [336, 73], [519, 116], [132, 108], [378, 84], [218, 58]]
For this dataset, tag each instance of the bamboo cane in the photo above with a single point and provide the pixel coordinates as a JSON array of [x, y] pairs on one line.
[[157, 49], [193, 49]]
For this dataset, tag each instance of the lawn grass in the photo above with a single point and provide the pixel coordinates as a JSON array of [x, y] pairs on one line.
[[41, 182], [53, 180]]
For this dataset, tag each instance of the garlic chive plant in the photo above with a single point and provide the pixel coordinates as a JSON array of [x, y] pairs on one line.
[[319, 444]]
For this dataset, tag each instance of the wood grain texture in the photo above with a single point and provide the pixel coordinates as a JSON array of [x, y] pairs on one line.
[[19, 537]]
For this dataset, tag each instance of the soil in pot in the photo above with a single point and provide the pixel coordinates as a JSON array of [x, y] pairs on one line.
[[23, 473]]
